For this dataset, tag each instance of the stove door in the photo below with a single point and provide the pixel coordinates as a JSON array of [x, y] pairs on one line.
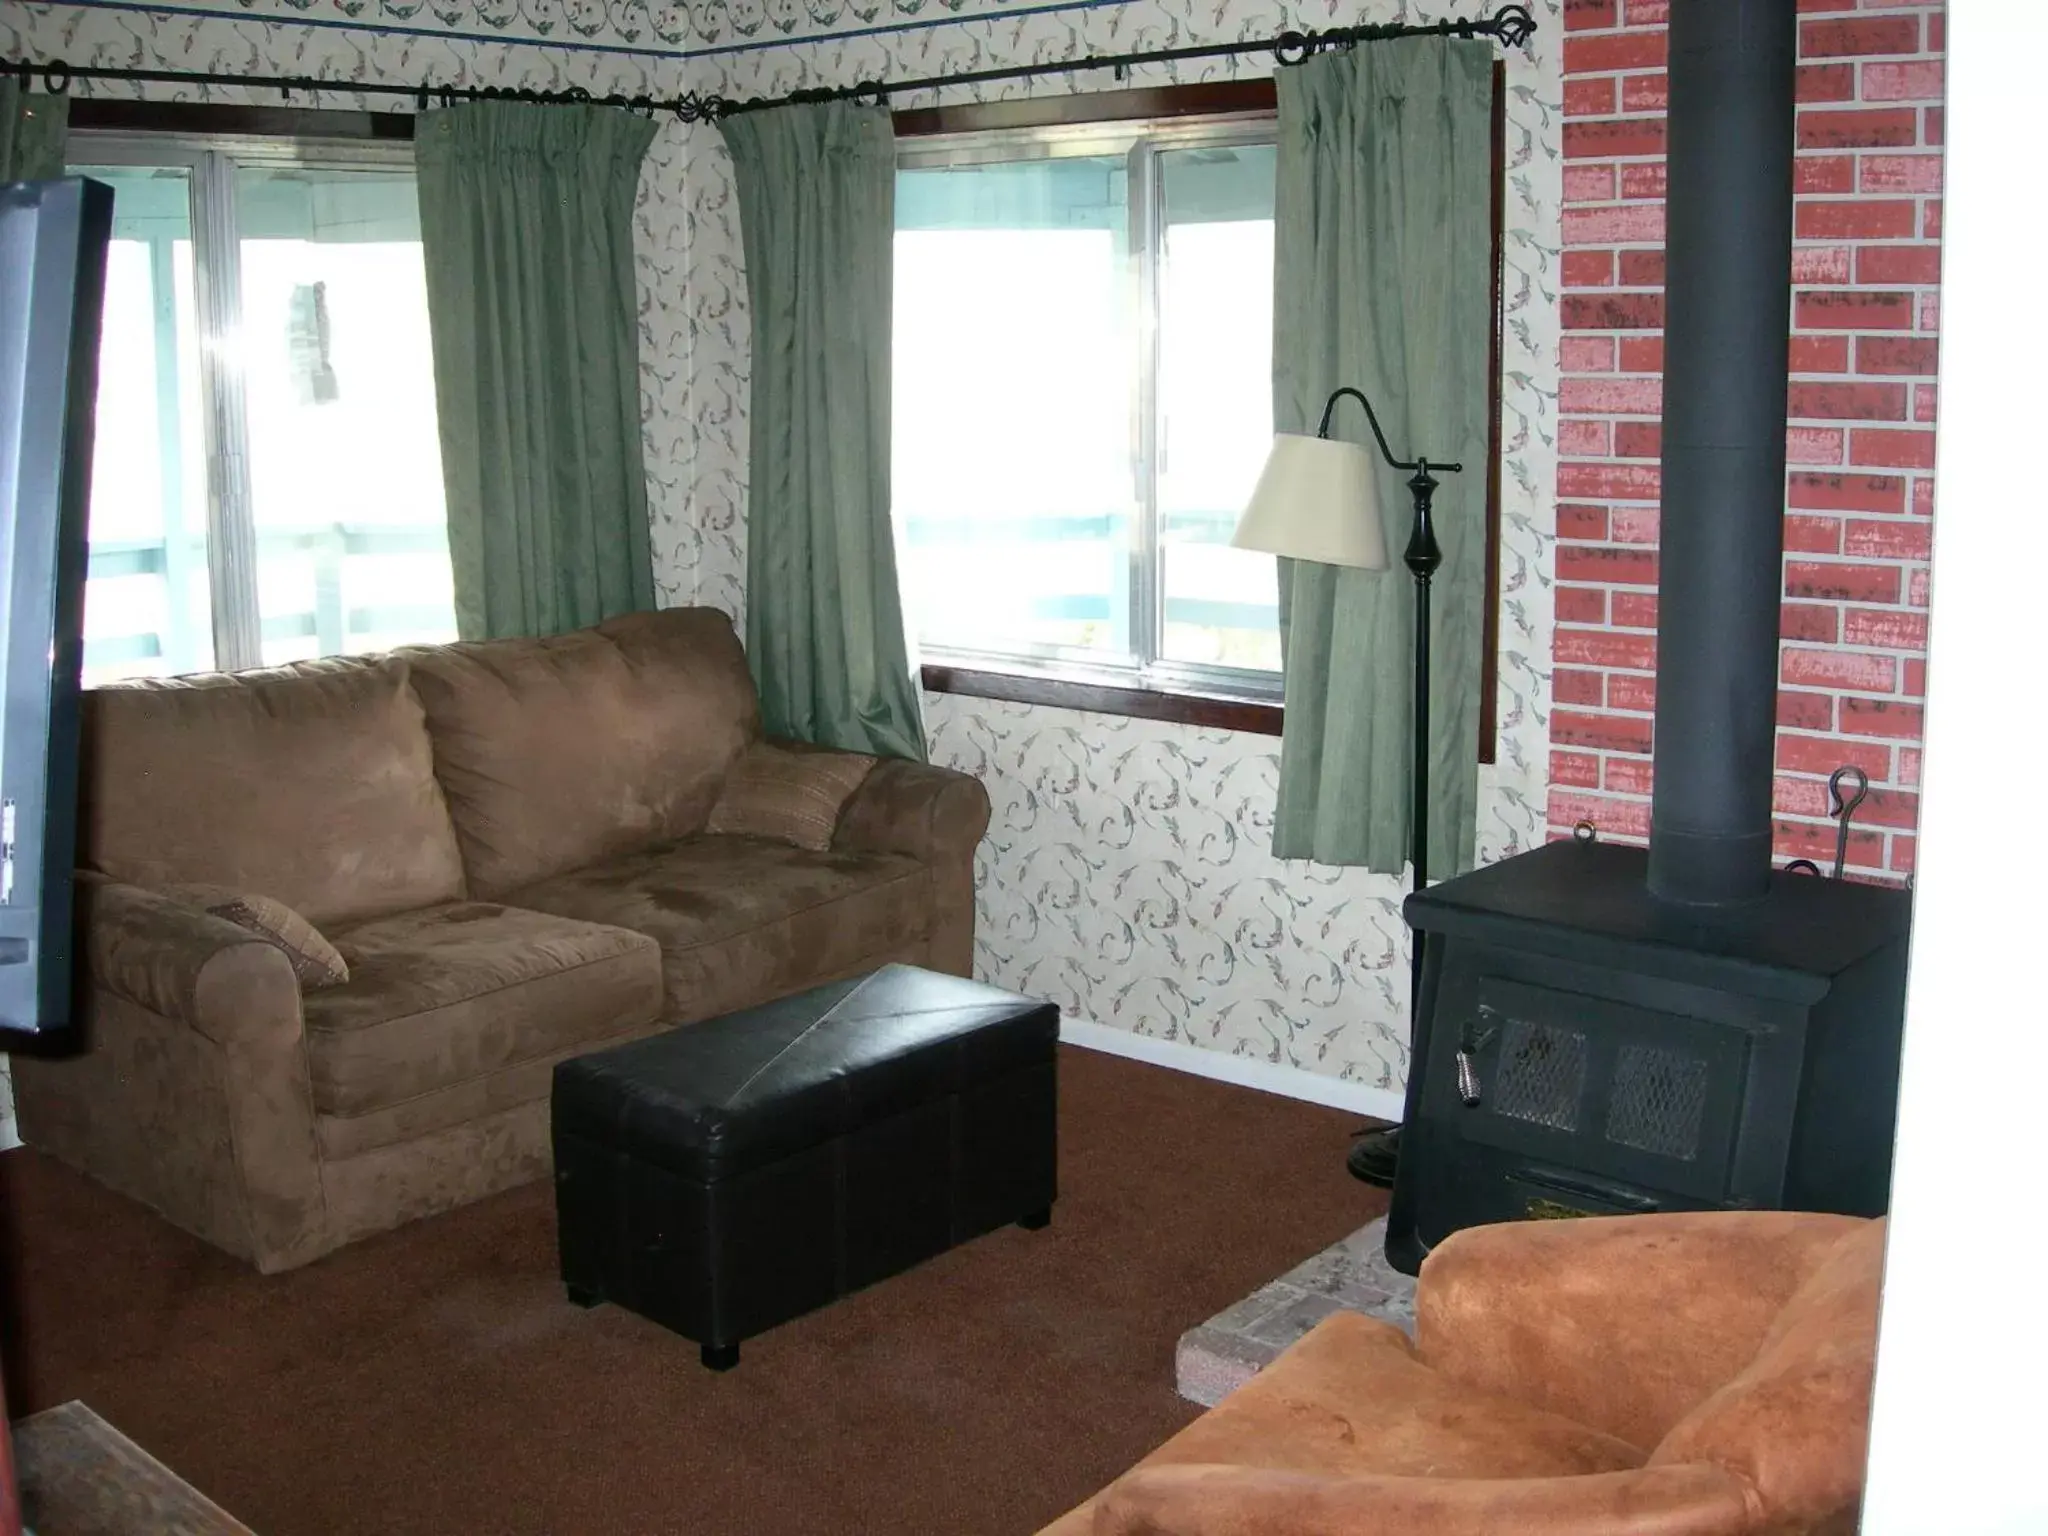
[[1609, 1089]]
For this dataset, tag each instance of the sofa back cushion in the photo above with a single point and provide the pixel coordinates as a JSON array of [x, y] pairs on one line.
[[1796, 1421], [313, 784], [566, 751]]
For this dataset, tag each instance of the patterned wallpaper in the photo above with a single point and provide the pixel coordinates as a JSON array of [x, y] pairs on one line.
[[1128, 874]]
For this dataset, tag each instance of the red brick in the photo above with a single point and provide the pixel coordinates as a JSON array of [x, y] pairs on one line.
[[1930, 313], [1615, 50], [1590, 15], [1909, 766], [1577, 439], [1896, 354], [1645, 93], [1591, 96], [1807, 535], [1855, 128], [1904, 849], [1847, 402], [1580, 770], [1632, 691], [1628, 775], [1820, 174], [1589, 183], [1820, 354], [1806, 711], [1646, 13], [1858, 670], [1611, 397], [1900, 173], [1864, 34], [1881, 717], [1923, 496], [1898, 264], [1873, 447], [1924, 408], [1615, 819], [1799, 797], [1889, 629], [1856, 219], [1826, 82], [1914, 683], [1589, 269], [1813, 622], [1823, 492], [1841, 582], [1613, 138], [1937, 32], [1576, 520], [1815, 264], [1815, 445], [1906, 538], [1920, 80], [1581, 605], [1824, 754], [1930, 220], [1642, 354], [1638, 440], [1634, 610], [1615, 567], [1569, 685], [1816, 840], [1634, 525], [1586, 354], [1624, 224], [1605, 648], [1853, 311], [1916, 588], [1642, 269], [1600, 733], [1644, 179]]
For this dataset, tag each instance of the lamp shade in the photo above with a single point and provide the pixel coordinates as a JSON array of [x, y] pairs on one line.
[[1316, 500]]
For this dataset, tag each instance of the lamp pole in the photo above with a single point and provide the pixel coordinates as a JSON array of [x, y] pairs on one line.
[[1375, 1154]]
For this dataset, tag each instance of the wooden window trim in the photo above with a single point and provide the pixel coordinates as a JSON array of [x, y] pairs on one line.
[[120, 115], [1220, 98]]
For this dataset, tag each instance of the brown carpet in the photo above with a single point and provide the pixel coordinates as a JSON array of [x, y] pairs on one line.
[[436, 1380]]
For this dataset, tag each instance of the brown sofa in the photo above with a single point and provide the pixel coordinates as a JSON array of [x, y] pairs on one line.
[[507, 844], [1683, 1375]]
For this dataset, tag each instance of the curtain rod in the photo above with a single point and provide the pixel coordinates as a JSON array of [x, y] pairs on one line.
[[1511, 26]]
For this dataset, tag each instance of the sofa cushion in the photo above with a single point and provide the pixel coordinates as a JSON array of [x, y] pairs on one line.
[[315, 962], [311, 783], [563, 752], [795, 796], [441, 996], [740, 919]]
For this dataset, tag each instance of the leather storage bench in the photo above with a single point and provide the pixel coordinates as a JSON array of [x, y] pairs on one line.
[[725, 1177]]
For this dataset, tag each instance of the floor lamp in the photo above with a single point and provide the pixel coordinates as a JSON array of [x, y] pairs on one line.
[[1318, 499]]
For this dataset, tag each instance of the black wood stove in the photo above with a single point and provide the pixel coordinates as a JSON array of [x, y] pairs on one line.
[[1604, 1029]]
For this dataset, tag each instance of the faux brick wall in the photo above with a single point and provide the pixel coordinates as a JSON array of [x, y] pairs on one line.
[[1866, 310]]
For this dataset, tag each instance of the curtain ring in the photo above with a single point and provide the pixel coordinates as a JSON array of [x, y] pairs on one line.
[[426, 91], [1299, 44], [57, 78]]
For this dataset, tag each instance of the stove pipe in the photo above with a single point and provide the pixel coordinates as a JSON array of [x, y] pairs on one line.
[[1727, 296]]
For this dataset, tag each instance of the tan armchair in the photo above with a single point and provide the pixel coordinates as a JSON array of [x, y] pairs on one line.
[[1683, 1375]]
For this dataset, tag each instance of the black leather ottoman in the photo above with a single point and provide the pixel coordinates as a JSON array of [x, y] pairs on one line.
[[728, 1176]]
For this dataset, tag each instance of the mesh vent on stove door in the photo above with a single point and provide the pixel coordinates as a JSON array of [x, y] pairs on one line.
[[1658, 1101], [1542, 1074]]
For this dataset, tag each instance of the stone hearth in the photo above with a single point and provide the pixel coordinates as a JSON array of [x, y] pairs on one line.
[[1224, 1353]]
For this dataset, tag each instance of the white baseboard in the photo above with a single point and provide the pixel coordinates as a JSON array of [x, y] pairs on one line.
[[1245, 1071]]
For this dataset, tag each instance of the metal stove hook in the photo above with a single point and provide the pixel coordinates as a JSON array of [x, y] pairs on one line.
[[1842, 809]]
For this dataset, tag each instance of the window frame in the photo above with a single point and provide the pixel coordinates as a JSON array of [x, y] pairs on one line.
[[1141, 142], [1252, 99], [211, 157]]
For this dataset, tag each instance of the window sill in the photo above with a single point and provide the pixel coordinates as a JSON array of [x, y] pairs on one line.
[[1200, 709]]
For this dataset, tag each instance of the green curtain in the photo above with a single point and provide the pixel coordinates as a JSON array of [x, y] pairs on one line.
[[817, 195], [1382, 280], [526, 218], [31, 133]]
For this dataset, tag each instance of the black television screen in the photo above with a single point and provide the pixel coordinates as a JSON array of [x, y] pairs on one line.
[[53, 261]]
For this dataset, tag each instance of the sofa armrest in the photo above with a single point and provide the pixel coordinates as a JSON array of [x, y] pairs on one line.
[[1623, 1323], [184, 963], [1687, 1500], [932, 814]]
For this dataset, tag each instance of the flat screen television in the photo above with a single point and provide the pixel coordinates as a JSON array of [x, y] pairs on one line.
[[53, 262]]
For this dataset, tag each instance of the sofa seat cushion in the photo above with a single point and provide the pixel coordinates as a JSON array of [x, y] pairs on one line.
[[442, 996], [740, 919]]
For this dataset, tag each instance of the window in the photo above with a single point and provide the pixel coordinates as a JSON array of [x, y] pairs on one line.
[[1083, 401], [266, 479]]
